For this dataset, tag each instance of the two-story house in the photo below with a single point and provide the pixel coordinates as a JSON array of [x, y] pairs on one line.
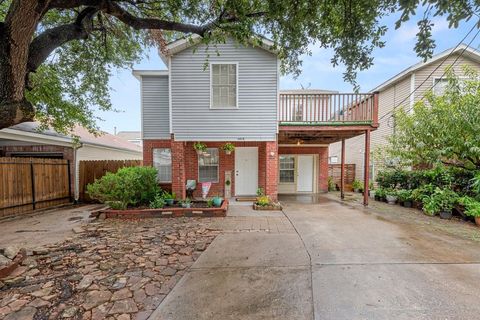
[[230, 93], [402, 91]]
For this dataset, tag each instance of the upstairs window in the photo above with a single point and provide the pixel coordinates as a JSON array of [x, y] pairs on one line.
[[223, 85], [162, 161], [208, 166]]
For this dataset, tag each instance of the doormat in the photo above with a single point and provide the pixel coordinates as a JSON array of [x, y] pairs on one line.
[[240, 199]]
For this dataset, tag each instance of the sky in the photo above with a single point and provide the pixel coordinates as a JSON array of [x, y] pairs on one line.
[[317, 70]]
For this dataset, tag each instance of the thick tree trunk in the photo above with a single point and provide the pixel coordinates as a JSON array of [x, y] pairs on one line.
[[16, 33]]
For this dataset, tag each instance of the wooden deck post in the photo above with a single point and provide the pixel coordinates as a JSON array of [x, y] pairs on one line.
[[366, 171], [342, 171]]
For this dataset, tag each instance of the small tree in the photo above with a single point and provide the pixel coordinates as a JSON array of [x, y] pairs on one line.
[[441, 129]]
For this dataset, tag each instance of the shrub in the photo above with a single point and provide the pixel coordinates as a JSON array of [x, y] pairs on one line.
[[158, 202], [380, 193], [391, 192], [440, 200], [356, 184], [169, 195], [263, 201], [331, 184], [404, 195], [128, 186], [472, 206], [424, 191]]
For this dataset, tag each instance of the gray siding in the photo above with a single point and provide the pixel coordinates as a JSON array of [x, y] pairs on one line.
[[256, 115], [155, 115]]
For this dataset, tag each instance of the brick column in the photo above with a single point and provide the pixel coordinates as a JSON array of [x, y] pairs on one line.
[[271, 169], [323, 170], [178, 169]]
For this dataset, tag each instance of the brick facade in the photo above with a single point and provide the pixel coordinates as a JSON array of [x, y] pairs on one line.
[[322, 153], [185, 165]]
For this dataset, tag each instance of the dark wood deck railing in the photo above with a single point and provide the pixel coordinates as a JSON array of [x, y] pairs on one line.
[[328, 108]]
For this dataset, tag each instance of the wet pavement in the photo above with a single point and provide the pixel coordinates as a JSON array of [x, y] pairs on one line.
[[336, 262]]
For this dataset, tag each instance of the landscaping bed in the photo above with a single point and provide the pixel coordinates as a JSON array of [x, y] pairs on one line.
[[197, 209]]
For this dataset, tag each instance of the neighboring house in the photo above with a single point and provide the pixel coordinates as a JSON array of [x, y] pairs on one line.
[[230, 93], [397, 93], [134, 137], [24, 140]]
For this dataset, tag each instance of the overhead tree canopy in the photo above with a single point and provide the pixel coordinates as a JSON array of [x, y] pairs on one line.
[[441, 129], [56, 56]]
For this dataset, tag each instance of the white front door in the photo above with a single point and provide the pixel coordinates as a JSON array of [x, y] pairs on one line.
[[246, 171], [305, 173]]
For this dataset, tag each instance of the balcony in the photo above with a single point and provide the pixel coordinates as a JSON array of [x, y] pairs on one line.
[[328, 109], [307, 117]]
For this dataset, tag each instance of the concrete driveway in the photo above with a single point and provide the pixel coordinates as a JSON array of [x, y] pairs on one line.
[[330, 261]]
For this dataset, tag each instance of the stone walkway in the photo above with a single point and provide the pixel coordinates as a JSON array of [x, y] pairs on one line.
[[113, 269]]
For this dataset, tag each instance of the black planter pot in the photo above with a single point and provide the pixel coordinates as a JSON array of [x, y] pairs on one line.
[[446, 214], [377, 198], [407, 204]]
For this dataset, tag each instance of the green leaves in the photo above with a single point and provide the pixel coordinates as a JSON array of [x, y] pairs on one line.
[[442, 129]]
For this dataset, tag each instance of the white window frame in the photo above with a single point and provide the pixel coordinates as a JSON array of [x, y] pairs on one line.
[[446, 79], [294, 169], [236, 86], [153, 160], [217, 165]]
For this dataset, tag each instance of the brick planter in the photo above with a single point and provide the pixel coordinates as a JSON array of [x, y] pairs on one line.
[[274, 206], [173, 212]]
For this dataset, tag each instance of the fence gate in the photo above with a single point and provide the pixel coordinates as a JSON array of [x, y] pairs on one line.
[[94, 169], [28, 184]]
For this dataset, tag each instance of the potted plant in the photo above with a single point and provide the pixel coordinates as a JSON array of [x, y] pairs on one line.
[[405, 197], [379, 194], [472, 208], [356, 185], [217, 201], [440, 202], [331, 184], [228, 182], [187, 203], [169, 197], [201, 148], [391, 196], [263, 201], [228, 148]]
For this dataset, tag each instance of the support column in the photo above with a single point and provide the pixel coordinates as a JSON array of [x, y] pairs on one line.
[[178, 169], [271, 169], [342, 171], [366, 178]]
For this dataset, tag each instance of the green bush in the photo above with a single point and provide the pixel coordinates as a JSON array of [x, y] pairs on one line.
[[158, 202], [440, 200], [380, 193], [331, 184], [128, 186], [472, 206], [357, 184], [404, 195]]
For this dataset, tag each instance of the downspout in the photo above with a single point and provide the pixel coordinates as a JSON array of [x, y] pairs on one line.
[[76, 170]]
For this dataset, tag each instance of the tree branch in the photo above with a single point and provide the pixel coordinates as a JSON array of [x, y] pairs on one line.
[[45, 43]]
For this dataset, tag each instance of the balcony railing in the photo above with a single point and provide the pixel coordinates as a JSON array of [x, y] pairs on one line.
[[328, 109]]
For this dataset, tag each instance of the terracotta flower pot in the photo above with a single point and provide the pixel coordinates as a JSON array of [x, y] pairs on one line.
[[477, 221]]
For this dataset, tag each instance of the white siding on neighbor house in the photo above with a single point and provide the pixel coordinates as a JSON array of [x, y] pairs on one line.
[[90, 152], [395, 96], [255, 117], [155, 114]]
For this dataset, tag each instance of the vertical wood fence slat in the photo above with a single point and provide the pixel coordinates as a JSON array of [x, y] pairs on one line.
[[334, 171], [27, 184], [91, 170]]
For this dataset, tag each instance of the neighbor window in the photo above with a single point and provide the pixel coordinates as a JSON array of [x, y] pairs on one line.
[[287, 169], [208, 166], [162, 161], [224, 86], [440, 85]]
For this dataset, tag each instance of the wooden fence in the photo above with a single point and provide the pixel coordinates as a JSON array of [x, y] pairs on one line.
[[334, 171], [95, 169], [28, 184]]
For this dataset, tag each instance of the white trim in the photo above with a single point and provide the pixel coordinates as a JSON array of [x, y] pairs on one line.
[[412, 90], [141, 108], [278, 96], [171, 164], [12, 134], [170, 122], [140, 73], [467, 52], [236, 85], [302, 145]]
